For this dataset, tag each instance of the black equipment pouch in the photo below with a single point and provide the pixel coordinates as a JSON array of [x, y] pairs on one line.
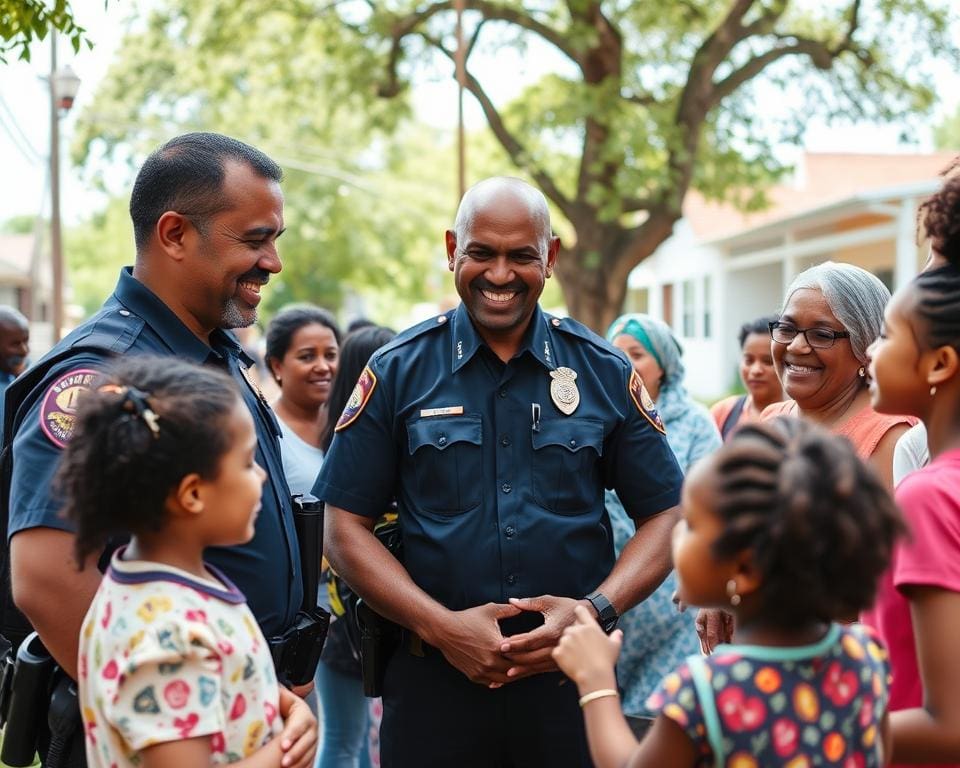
[[66, 748], [26, 699], [297, 651], [379, 639]]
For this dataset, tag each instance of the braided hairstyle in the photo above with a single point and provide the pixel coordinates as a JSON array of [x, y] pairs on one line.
[[821, 525], [150, 423], [937, 291]]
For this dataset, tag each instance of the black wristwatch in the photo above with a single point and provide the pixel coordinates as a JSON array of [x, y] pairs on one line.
[[606, 614]]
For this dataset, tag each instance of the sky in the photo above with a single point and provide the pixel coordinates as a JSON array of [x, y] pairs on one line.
[[25, 131]]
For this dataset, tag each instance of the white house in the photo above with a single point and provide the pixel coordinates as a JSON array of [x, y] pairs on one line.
[[25, 284], [722, 268]]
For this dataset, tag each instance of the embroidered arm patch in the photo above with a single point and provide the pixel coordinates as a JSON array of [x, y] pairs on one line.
[[358, 399], [643, 401], [58, 411]]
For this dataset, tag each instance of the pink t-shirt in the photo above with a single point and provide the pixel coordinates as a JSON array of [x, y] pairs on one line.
[[930, 501]]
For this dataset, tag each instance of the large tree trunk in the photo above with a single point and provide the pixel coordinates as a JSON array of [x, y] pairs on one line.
[[591, 296], [593, 273]]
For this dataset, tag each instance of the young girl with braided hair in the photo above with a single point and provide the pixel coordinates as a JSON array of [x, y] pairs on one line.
[[915, 369], [786, 528], [173, 669]]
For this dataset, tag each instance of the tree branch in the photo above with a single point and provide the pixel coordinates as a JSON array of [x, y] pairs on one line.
[[697, 97], [821, 54], [519, 154], [490, 11]]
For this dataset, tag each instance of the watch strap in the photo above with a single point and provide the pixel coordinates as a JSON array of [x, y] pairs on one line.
[[607, 615]]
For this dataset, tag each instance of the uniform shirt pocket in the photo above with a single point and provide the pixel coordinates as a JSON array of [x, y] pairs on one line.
[[564, 464], [446, 454]]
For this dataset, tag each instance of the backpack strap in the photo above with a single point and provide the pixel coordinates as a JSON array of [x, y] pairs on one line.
[[733, 417], [711, 719]]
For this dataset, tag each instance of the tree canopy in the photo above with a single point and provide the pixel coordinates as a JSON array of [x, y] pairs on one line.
[[364, 214], [647, 101], [659, 98], [24, 21]]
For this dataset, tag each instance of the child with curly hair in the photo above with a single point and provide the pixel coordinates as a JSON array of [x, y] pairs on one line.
[[173, 669], [786, 528], [915, 369]]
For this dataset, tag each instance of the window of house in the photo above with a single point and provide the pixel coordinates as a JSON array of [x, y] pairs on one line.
[[689, 307], [638, 300], [668, 304], [707, 307]]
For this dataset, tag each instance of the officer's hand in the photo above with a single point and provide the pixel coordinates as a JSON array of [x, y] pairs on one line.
[[531, 652], [471, 640], [298, 740], [586, 655], [714, 626]]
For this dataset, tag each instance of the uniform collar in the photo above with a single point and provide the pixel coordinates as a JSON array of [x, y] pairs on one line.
[[466, 341], [143, 302]]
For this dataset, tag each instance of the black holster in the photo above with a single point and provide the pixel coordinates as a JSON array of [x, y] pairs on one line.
[[379, 638], [296, 652], [39, 710], [66, 748]]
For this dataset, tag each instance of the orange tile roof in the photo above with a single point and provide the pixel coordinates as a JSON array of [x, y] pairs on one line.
[[820, 178]]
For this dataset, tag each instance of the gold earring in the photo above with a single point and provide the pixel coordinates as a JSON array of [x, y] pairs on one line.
[[732, 593], [862, 372]]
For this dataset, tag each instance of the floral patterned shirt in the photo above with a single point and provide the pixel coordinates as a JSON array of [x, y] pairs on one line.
[[751, 706], [167, 656]]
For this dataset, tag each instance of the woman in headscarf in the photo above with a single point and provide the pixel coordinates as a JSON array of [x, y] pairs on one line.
[[656, 636]]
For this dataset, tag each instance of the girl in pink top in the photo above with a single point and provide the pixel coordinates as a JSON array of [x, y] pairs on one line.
[[915, 369]]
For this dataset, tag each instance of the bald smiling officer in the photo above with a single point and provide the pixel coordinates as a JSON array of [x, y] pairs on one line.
[[496, 428]]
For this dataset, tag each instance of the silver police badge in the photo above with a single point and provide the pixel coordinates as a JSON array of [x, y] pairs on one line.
[[563, 390]]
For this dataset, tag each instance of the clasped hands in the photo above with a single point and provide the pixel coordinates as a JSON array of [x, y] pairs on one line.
[[473, 642]]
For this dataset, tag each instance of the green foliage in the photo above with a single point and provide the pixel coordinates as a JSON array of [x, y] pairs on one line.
[[24, 21], [946, 136], [367, 192], [19, 225], [95, 251], [644, 101]]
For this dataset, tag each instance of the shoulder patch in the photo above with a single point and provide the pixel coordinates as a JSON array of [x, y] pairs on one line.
[[643, 401], [358, 399], [58, 411]]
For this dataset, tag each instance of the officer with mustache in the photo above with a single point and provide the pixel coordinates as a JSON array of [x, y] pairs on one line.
[[207, 211]]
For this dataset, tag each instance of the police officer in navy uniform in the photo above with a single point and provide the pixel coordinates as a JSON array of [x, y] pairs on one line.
[[207, 211], [496, 428]]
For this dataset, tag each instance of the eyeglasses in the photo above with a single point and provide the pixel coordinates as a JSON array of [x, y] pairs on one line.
[[818, 338]]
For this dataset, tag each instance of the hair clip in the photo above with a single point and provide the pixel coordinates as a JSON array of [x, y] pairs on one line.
[[135, 401]]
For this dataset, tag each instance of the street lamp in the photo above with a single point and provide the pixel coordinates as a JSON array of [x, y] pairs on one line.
[[64, 85]]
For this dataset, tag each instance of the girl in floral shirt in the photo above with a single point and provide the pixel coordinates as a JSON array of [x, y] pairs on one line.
[[789, 531], [173, 669]]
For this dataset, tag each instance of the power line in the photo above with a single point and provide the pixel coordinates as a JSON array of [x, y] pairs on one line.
[[13, 139], [26, 142]]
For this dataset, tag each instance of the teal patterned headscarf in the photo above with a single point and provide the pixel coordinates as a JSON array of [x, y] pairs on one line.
[[690, 428], [659, 341]]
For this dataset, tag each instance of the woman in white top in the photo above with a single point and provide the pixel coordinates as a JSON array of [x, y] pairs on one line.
[[303, 351]]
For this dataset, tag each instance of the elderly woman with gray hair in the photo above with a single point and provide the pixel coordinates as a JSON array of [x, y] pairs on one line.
[[832, 312], [656, 637]]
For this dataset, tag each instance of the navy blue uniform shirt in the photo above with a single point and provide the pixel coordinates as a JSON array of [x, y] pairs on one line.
[[493, 502], [134, 321]]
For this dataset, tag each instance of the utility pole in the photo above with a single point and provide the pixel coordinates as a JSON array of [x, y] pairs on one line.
[[461, 65]]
